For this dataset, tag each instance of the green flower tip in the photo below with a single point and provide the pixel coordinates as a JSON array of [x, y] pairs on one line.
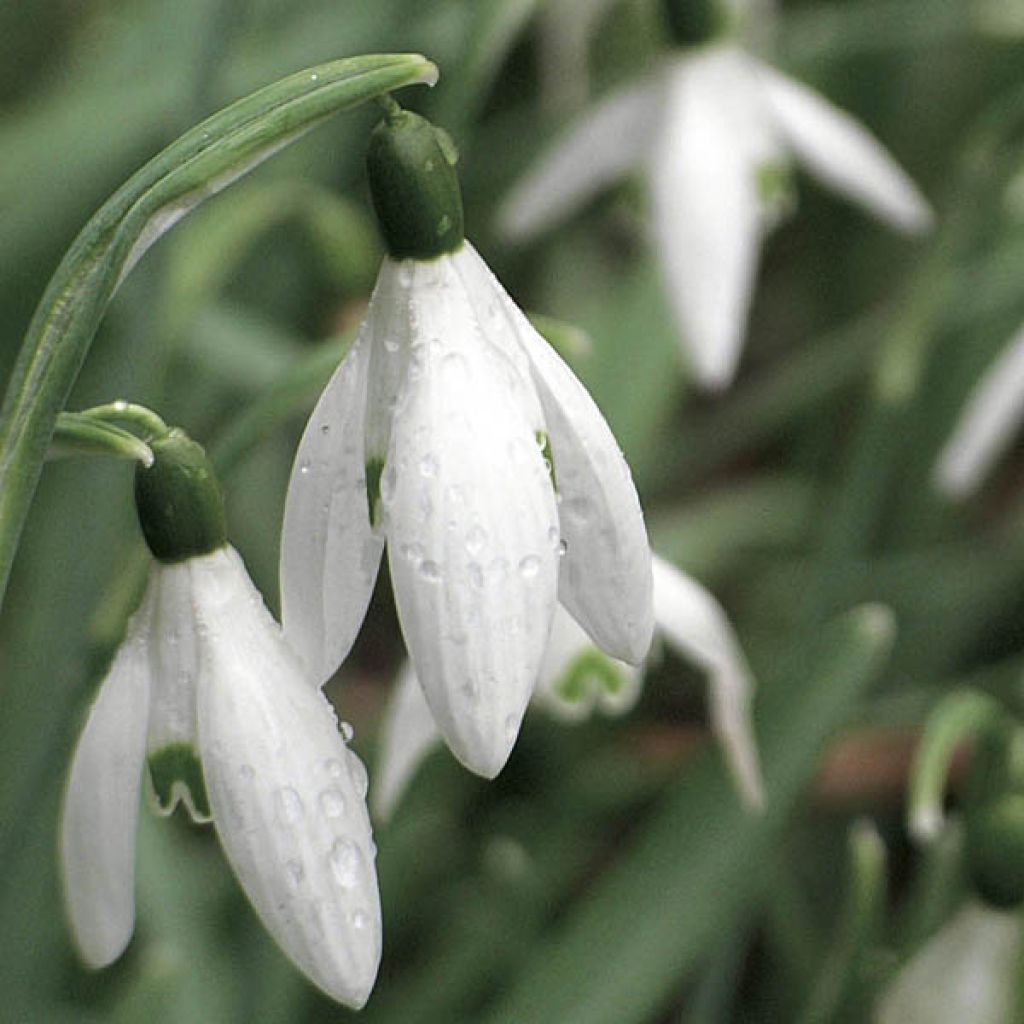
[[995, 850], [177, 774], [411, 167], [178, 499], [692, 22]]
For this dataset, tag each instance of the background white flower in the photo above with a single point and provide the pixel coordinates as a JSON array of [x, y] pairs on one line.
[[713, 127]]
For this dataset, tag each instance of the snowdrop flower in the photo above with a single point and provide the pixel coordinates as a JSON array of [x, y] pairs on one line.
[[455, 433], [966, 971], [714, 129], [206, 692], [576, 679], [987, 425]]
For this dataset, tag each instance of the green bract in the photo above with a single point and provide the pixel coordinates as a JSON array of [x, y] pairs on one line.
[[178, 499], [411, 167]]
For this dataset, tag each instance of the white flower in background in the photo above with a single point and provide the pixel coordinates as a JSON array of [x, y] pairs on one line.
[[967, 971], [990, 419], [715, 130], [205, 689], [454, 432], [576, 679]]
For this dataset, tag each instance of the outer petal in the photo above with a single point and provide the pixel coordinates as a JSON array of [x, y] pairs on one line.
[[471, 522], [988, 423], [329, 551], [575, 676], [695, 625], [605, 579], [610, 139], [707, 215], [966, 972], [843, 154], [101, 802], [288, 797], [407, 737]]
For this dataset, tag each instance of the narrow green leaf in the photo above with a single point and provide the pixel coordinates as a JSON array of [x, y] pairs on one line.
[[78, 434], [203, 161], [680, 888]]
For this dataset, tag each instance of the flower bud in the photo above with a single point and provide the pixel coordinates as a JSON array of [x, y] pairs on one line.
[[178, 500], [995, 850], [415, 190]]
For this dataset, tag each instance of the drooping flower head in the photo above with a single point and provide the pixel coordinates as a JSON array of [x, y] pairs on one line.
[[577, 679], [456, 435], [205, 697], [715, 130]]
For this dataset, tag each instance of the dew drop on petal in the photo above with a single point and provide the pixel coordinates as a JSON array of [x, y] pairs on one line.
[[430, 571], [414, 552], [288, 806], [295, 873], [562, 548], [304, 468], [325, 429], [344, 860], [476, 539], [529, 567], [314, 77], [357, 772], [360, 920], [332, 803], [391, 345], [347, 732]]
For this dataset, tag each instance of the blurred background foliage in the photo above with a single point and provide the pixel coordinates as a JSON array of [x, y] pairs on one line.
[[609, 874]]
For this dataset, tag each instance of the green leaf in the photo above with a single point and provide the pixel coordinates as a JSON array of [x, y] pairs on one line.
[[679, 889], [202, 162]]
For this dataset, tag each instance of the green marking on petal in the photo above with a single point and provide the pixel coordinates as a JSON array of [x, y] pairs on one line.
[[544, 444], [589, 670], [177, 774], [374, 471]]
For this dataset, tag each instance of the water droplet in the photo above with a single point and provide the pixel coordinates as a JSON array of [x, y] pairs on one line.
[[360, 920], [428, 464], [476, 539], [391, 345], [295, 873], [325, 429], [578, 508], [430, 571], [334, 768], [304, 468], [246, 771], [332, 803], [344, 860], [414, 552], [562, 548], [314, 77], [288, 805], [347, 732], [529, 567], [357, 772]]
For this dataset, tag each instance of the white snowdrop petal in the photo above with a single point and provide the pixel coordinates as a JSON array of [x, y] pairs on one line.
[[330, 552], [605, 577], [707, 214], [602, 147], [965, 972], [987, 425], [471, 523], [693, 622], [843, 154], [408, 735], [101, 802], [288, 797], [576, 677]]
